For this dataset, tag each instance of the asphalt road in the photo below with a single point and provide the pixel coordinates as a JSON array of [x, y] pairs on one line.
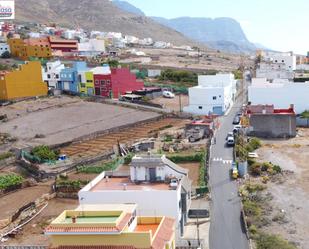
[[226, 230]]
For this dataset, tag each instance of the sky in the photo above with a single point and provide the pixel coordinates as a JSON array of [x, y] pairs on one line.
[[276, 24]]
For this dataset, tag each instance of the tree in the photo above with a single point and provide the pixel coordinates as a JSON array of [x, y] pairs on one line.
[[6, 55], [113, 63]]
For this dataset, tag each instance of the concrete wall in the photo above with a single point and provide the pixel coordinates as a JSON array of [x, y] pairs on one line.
[[272, 126]]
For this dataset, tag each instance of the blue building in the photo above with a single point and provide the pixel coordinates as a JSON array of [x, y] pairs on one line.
[[70, 78]]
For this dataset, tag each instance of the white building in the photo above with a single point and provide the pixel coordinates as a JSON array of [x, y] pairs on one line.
[[51, 74], [271, 71], [288, 59], [4, 47], [281, 95], [214, 94], [156, 185], [91, 48], [152, 73]]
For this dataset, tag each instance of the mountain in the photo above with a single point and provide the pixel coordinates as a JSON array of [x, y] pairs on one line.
[[123, 5], [100, 15], [220, 33]]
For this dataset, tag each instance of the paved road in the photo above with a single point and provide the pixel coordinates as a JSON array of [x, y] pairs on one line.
[[226, 231]]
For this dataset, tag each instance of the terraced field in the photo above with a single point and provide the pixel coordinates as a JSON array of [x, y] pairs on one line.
[[105, 143]]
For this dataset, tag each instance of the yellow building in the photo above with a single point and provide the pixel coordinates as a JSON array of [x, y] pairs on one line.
[[110, 226], [87, 83], [24, 82], [34, 47]]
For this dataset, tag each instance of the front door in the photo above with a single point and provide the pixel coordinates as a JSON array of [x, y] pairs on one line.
[[97, 91], [152, 174]]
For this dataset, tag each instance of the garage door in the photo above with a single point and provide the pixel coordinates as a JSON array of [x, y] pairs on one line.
[[217, 110]]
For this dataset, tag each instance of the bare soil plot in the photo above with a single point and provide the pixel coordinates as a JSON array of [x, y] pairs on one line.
[[32, 233], [172, 104], [15, 200], [194, 169], [291, 194], [65, 121]]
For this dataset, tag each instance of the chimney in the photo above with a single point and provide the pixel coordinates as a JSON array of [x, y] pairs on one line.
[[292, 107]]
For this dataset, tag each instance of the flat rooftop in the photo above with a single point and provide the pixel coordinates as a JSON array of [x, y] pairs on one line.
[[92, 220], [124, 183], [147, 227]]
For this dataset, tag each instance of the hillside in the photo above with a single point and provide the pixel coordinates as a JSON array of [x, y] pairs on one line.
[[220, 33], [100, 15], [128, 7]]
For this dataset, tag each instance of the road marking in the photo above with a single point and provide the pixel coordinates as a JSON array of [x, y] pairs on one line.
[[217, 159], [227, 161]]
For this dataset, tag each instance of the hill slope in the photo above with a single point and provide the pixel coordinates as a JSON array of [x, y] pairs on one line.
[[219, 33], [123, 5], [100, 15]]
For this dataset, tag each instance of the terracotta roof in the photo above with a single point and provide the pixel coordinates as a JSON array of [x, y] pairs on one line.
[[37, 41], [94, 247], [63, 45], [164, 234], [79, 229], [60, 40]]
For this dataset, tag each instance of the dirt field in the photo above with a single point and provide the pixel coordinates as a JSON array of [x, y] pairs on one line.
[[292, 194], [12, 202], [32, 233], [193, 171], [63, 119], [172, 104], [106, 142]]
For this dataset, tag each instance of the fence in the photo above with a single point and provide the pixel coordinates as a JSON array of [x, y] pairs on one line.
[[302, 122], [24, 247]]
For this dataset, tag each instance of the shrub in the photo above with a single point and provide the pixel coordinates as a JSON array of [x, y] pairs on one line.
[[197, 157], [11, 180], [277, 169], [128, 159], [45, 153], [266, 241], [6, 155], [255, 143], [252, 188], [256, 169], [168, 138], [112, 165], [252, 209], [266, 166], [202, 172]]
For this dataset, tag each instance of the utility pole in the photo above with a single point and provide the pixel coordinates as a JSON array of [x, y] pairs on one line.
[[180, 104]]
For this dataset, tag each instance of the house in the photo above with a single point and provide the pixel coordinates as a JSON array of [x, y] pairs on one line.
[[214, 94], [281, 95], [57, 43], [91, 48], [51, 74], [117, 83], [87, 83], [24, 82], [4, 47], [272, 71], [32, 47], [155, 184], [152, 73], [267, 122], [110, 227], [70, 77]]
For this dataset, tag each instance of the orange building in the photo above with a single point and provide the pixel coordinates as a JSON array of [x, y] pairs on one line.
[[33, 47], [24, 82]]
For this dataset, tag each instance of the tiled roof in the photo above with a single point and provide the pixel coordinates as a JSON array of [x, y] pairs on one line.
[[79, 229], [165, 233]]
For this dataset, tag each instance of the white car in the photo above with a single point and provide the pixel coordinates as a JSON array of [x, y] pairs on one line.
[[168, 94]]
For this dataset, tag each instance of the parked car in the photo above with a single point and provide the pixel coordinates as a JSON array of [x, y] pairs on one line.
[[230, 134], [168, 94], [236, 120], [237, 128], [230, 141]]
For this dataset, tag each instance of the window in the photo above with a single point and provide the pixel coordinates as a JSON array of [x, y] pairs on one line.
[[276, 61], [82, 85], [200, 107], [282, 61], [89, 81], [108, 82], [103, 89], [57, 76], [214, 97], [97, 82], [102, 82], [219, 96], [48, 76]]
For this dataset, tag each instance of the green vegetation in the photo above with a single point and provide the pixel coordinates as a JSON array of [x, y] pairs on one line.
[[202, 171], [168, 138], [74, 185], [4, 67], [178, 76], [6, 155], [180, 158], [44, 153], [266, 168], [9, 181], [305, 114], [112, 165], [113, 63], [128, 159], [238, 74], [266, 241], [253, 144]]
